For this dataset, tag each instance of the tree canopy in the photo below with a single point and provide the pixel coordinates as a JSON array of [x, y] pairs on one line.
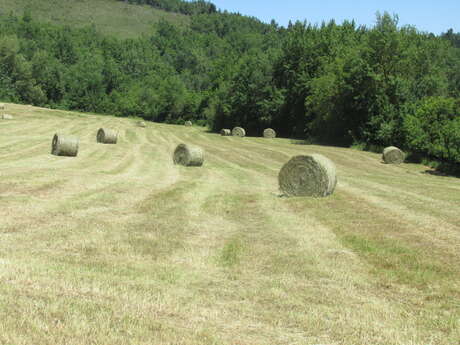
[[340, 84]]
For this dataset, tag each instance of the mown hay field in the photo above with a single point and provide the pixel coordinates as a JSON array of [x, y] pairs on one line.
[[120, 246]]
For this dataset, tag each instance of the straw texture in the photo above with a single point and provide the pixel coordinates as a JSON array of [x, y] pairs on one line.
[[269, 133], [238, 132], [107, 136], [308, 175], [64, 145], [393, 155], [188, 155]]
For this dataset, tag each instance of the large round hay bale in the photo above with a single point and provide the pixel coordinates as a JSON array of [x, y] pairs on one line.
[[7, 117], [64, 145], [2, 106], [188, 155], [393, 155], [188, 123], [225, 132], [308, 175], [238, 132], [269, 133], [142, 124], [107, 136]]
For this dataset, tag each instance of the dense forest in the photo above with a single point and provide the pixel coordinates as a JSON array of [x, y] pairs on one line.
[[340, 84]]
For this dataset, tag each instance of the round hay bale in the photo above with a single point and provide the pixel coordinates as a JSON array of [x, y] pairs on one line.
[[308, 175], [188, 155], [225, 132], [142, 124], [269, 133], [393, 155], [238, 132], [107, 136], [188, 123], [2, 106], [64, 145], [7, 117]]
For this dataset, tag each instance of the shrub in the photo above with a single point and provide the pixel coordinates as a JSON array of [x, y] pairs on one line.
[[433, 128]]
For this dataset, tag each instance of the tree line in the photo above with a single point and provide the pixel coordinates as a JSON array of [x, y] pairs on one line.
[[340, 84]]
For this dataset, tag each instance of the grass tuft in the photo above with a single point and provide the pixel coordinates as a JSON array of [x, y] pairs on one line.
[[231, 252]]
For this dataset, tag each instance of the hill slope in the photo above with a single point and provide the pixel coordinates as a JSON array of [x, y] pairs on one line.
[[120, 246], [109, 16]]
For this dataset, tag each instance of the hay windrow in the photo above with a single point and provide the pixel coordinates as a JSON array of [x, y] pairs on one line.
[[188, 123], [308, 175], [188, 155], [393, 155], [107, 136], [141, 124], [7, 117], [269, 133], [64, 145], [238, 132], [225, 132]]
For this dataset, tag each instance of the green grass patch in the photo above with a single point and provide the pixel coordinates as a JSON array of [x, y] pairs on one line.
[[110, 17], [397, 262], [231, 252]]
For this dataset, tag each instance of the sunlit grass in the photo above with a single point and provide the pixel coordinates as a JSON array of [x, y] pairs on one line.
[[112, 17], [119, 246]]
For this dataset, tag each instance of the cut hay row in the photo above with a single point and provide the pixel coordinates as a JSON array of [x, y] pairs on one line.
[[308, 175], [188, 155], [64, 145], [107, 136], [311, 175], [238, 132], [393, 155], [119, 233]]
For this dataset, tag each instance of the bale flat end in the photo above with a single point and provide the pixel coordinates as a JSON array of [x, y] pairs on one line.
[[188, 155], [238, 132], [107, 136], [64, 145], [308, 175], [393, 155], [269, 133]]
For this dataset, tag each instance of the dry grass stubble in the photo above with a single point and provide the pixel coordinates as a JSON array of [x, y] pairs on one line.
[[106, 248]]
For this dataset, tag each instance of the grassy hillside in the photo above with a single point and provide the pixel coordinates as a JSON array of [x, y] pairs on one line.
[[120, 246], [109, 16]]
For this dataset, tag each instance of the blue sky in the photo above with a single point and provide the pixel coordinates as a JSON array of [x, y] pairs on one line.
[[432, 16]]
